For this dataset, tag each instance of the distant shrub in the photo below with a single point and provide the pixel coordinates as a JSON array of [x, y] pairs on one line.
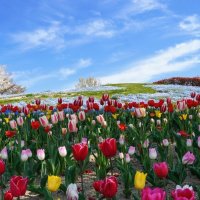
[[193, 81], [87, 82]]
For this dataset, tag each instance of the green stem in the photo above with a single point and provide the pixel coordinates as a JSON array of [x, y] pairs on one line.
[[111, 166], [1, 186]]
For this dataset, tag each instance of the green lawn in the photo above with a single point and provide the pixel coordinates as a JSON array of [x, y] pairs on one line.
[[126, 88]]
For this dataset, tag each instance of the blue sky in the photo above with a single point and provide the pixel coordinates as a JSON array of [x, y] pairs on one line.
[[50, 44]]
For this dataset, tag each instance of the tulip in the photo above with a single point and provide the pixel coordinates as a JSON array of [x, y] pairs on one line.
[[121, 155], [152, 153], [64, 131], [121, 139], [54, 118], [10, 133], [153, 194], [8, 195], [18, 186], [188, 142], [146, 143], [24, 155], [105, 97], [44, 121], [60, 100], [100, 119], [4, 153], [72, 126], [72, 192], [2, 167], [53, 183], [109, 187], [81, 115], [128, 159], [140, 112], [61, 115], [35, 125], [84, 140], [80, 151], [183, 193], [161, 169], [165, 142], [108, 147], [29, 153], [74, 117], [62, 151], [131, 150], [188, 158], [13, 124], [181, 105], [41, 154], [20, 121], [193, 94], [139, 180]]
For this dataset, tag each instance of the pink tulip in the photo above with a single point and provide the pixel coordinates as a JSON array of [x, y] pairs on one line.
[[165, 142], [13, 124], [140, 112], [153, 194], [41, 154], [44, 121], [62, 151], [188, 158], [54, 118], [24, 155], [198, 141], [81, 115], [131, 150], [181, 105], [100, 119], [29, 153], [61, 115], [146, 143], [152, 153], [121, 139], [72, 126], [74, 117], [20, 121], [127, 159], [4, 153]]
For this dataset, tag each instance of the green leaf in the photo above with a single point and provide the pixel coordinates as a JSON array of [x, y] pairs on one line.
[[43, 181]]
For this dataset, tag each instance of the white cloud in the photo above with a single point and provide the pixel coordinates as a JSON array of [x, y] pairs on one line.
[[176, 58], [191, 25], [82, 63], [140, 6], [98, 28]]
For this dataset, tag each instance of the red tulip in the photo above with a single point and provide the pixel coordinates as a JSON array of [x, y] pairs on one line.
[[8, 196], [10, 133], [2, 167], [107, 187], [183, 193], [80, 151], [122, 127], [161, 169], [35, 125], [108, 147], [18, 186]]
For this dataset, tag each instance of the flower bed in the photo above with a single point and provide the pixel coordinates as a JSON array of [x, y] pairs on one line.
[[132, 150]]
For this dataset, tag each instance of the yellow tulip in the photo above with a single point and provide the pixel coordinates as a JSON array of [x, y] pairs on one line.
[[6, 119], [115, 116], [53, 183], [183, 117], [140, 179], [158, 113]]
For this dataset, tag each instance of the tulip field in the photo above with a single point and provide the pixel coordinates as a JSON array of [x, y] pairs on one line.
[[101, 149]]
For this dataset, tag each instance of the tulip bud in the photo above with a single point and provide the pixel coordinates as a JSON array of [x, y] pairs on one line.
[[121, 140], [121, 155], [64, 131], [131, 126], [188, 142], [165, 120], [158, 122], [100, 139], [190, 117], [4, 153], [24, 156], [13, 124], [140, 124], [188, 158], [146, 143], [165, 142], [198, 114], [41, 154], [81, 115], [152, 120], [29, 153], [93, 122], [128, 159], [62, 151], [20, 121], [152, 153], [131, 150], [2, 167], [84, 140]]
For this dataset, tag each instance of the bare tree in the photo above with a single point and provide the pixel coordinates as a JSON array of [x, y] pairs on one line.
[[87, 82], [7, 86]]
